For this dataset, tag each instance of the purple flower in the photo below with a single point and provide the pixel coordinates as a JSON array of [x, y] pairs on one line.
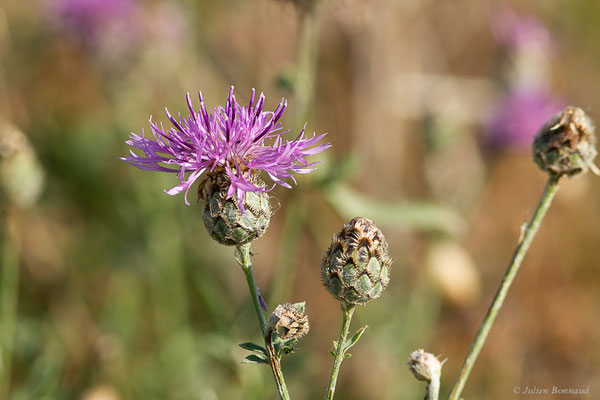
[[233, 139], [90, 18], [517, 32], [519, 115]]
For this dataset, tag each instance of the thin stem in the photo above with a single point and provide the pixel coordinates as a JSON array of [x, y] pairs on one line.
[[245, 262], [9, 283], [293, 224], [304, 85], [348, 310], [527, 236]]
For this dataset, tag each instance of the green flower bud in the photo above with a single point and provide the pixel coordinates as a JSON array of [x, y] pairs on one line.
[[289, 321], [357, 265], [224, 219], [566, 145], [21, 175]]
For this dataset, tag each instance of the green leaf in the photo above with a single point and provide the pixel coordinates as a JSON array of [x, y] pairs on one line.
[[255, 359], [347, 355], [332, 352], [423, 215], [335, 346], [352, 341], [253, 347]]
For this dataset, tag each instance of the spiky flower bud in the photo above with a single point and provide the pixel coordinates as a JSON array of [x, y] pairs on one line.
[[289, 321], [357, 264], [21, 175], [566, 145], [424, 366], [225, 220]]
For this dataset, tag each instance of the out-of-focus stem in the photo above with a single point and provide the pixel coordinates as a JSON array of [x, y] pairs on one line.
[[304, 85], [246, 263], [348, 311], [295, 217], [486, 325], [9, 284]]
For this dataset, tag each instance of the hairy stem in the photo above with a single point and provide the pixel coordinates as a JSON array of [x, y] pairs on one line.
[[245, 262], [433, 388], [348, 311], [486, 325]]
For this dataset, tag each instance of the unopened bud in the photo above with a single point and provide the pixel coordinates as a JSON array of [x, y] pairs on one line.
[[357, 264], [566, 145], [223, 217], [21, 175], [289, 321], [425, 366]]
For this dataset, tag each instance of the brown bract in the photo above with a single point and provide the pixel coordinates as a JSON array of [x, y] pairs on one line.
[[356, 267], [288, 322]]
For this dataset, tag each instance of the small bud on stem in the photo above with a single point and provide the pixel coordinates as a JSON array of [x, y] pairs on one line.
[[356, 267], [566, 145], [427, 367], [289, 321]]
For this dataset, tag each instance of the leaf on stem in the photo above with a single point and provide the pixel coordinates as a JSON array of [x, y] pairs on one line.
[[253, 347], [255, 359], [282, 347], [352, 341]]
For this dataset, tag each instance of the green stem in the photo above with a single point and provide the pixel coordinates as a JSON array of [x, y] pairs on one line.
[[9, 284], [304, 85], [348, 310], [245, 262], [527, 236], [293, 224]]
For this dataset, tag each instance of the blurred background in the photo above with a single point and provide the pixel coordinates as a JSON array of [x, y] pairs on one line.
[[112, 289]]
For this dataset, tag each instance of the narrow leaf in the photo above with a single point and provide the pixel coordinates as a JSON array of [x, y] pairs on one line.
[[332, 353], [352, 341], [255, 359], [253, 347], [347, 355]]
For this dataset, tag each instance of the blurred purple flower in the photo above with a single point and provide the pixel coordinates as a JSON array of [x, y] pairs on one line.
[[232, 139], [516, 32], [90, 18], [519, 116]]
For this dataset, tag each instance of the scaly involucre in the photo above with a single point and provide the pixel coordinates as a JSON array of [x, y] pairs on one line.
[[232, 139]]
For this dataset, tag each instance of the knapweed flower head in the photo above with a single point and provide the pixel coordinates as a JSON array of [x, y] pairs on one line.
[[518, 116], [229, 147], [89, 18], [516, 32], [239, 141], [289, 321]]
